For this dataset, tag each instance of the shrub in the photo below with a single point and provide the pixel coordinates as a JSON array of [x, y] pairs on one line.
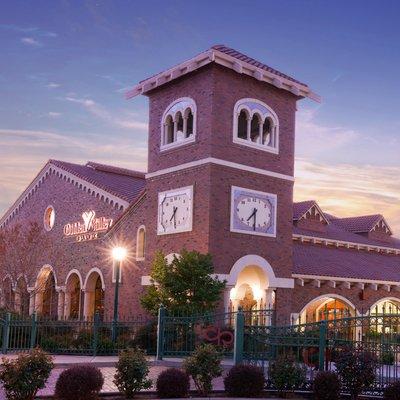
[[80, 382], [244, 381], [23, 377], [387, 356], [326, 386], [392, 392], [173, 383], [286, 374], [146, 337], [203, 365], [132, 371], [356, 369]]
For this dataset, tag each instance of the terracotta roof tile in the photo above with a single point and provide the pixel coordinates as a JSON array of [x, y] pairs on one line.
[[361, 224], [301, 208], [242, 57], [121, 182], [344, 263]]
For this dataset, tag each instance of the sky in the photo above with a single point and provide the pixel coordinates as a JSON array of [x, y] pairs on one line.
[[65, 67]]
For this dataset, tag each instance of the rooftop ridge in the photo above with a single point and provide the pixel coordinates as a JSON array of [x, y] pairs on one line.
[[116, 170]]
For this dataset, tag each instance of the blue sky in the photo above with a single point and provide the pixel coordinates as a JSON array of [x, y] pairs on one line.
[[65, 66]]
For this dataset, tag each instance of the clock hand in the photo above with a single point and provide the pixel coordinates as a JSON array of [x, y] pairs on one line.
[[255, 218], [174, 216]]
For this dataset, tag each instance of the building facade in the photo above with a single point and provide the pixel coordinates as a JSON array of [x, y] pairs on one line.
[[220, 181]]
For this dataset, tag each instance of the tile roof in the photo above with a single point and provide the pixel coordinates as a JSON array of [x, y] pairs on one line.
[[361, 224], [344, 263], [123, 183], [300, 208], [242, 57]]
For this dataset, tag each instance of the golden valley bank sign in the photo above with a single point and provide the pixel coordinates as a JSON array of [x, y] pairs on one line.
[[89, 229]]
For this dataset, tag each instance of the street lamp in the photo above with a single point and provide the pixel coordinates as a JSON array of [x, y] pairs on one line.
[[118, 254]]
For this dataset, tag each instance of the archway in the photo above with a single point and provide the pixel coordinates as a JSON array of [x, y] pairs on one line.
[[46, 299], [387, 305], [94, 294], [327, 307], [73, 295]]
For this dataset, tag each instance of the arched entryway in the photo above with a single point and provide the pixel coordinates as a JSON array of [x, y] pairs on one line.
[[73, 295], [46, 299], [22, 297], [94, 294], [387, 305], [326, 307]]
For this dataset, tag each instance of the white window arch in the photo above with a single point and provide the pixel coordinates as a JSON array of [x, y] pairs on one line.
[[178, 125], [255, 125], [140, 243]]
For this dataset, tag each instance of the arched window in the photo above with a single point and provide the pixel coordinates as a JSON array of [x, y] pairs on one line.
[[179, 123], [140, 243], [255, 125]]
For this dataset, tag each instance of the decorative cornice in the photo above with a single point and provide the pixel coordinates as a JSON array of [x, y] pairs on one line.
[[348, 245], [224, 163], [228, 61], [80, 183]]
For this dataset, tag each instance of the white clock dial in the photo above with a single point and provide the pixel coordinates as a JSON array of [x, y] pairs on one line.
[[254, 212], [175, 211]]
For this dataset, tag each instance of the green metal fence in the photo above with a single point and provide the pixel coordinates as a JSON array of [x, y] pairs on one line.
[[86, 337]]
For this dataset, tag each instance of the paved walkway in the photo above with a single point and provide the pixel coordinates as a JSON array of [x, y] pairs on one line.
[[106, 365]]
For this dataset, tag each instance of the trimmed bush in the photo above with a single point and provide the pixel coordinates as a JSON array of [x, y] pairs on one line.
[[244, 381], [173, 383], [286, 374], [392, 392], [23, 377], [203, 365], [132, 371], [356, 369], [80, 382], [326, 386]]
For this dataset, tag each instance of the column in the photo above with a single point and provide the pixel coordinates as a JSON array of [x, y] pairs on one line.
[[88, 304], [270, 305], [60, 303], [31, 292], [67, 304], [227, 298], [17, 300]]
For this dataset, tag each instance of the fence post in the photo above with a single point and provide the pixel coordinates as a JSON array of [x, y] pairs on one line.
[[160, 333], [33, 330], [322, 345], [6, 333], [239, 338], [96, 323]]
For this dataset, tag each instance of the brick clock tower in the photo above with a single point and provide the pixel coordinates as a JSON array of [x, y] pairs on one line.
[[220, 174]]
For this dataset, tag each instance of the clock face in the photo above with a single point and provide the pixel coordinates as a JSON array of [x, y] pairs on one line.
[[253, 212], [175, 210]]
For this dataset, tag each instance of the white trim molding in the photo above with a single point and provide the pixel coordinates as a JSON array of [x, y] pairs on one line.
[[224, 163], [348, 245], [218, 57]]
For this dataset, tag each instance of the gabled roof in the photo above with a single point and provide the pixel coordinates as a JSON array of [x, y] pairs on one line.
[[361, 224], [228, 58], [120, 182], [301, 209], [116, 186]]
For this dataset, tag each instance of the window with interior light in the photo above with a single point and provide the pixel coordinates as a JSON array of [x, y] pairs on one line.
[[255, 125], [49, 218], [178, 123]]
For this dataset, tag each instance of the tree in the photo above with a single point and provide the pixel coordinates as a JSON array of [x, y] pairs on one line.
[[184, 285], [22, 248]]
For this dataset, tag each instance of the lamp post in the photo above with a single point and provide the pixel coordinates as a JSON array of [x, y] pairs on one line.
[[118, 255]]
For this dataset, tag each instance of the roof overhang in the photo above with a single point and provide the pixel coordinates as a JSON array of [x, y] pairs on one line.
[[215, 56]]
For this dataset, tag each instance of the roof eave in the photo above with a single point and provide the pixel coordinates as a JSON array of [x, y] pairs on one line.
[[228, 61]]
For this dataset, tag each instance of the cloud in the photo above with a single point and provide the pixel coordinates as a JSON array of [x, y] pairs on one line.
[[27, 30], [54, 114], [30, 41], [314, 138], [102, 113], [53, 85], [24, 152], [348, 190]]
